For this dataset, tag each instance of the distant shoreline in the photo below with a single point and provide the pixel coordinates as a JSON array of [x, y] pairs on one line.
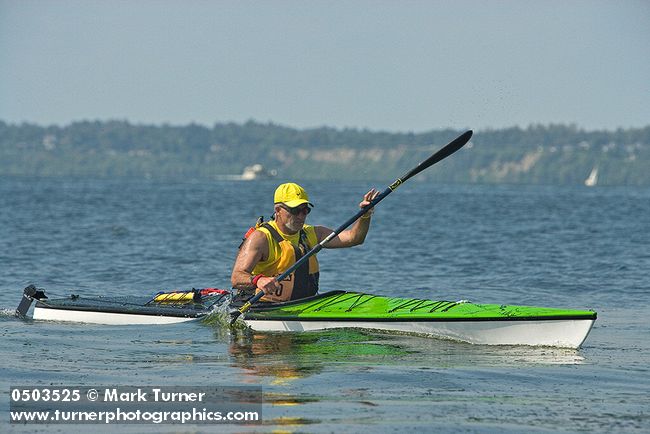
[[537, 154]]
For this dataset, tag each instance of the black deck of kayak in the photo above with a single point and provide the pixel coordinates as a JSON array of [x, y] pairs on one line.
[[126, 305], [135, 305]]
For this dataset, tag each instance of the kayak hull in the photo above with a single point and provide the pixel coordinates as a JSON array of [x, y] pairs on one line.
[[106, 318], [551, 333], [119, 310]]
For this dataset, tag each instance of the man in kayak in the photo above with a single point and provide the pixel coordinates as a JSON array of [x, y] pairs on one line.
[[276, 245]]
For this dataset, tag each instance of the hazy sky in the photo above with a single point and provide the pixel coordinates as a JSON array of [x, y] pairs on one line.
[[382, 65]]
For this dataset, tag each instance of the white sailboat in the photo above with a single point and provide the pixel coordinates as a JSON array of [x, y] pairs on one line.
[[592, 179]]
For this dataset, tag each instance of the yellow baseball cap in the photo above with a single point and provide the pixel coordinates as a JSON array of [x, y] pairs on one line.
[[290, 194]]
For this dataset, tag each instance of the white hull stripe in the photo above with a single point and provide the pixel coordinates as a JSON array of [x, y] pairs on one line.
[[558, 333], [107, 318]]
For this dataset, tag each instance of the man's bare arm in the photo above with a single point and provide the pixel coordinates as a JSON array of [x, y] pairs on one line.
[[254, 249], [354, 236]]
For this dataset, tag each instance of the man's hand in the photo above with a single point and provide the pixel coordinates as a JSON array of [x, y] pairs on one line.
[[367, 198], [269, 285]]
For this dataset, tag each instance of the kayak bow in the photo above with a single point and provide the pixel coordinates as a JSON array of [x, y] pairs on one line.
[[489, 324]]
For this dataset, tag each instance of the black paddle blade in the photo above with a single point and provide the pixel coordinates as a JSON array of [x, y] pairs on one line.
[[445, 152], [236, 313]]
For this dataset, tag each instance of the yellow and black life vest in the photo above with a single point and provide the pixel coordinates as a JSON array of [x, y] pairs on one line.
[[284, 251]]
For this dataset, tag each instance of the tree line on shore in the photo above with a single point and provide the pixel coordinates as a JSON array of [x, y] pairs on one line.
[[537, 154]]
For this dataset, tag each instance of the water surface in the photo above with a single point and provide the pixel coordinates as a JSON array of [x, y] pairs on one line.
[[570, 247]]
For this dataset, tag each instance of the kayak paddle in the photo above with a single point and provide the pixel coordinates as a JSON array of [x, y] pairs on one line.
[[452, 147]]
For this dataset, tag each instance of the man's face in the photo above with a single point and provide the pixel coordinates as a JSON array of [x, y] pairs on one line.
[[294, 218]]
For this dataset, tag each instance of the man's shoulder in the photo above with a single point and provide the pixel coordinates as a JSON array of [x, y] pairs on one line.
[[258, 236]]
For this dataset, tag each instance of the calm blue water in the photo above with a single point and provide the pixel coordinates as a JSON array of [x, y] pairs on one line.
[[551, 246]]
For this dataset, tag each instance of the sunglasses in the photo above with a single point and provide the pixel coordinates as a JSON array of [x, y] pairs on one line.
[[297, 210]]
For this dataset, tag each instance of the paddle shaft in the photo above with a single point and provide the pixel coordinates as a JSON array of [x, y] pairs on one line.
[[452, 147]]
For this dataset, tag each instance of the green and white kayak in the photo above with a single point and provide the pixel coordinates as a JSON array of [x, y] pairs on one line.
[[489, 324]]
